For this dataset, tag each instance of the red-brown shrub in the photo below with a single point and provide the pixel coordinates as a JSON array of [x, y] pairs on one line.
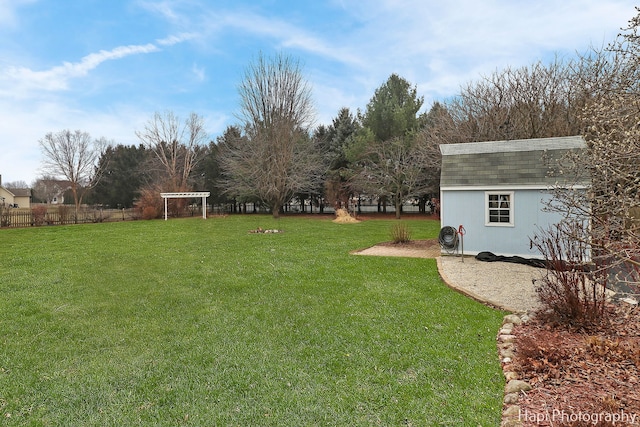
[[572, 292], [63, 213], [38, 214], [149, 204], [149, 212]]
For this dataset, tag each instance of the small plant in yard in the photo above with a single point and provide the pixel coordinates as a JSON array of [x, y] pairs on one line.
[[149, 212], [400, 233], [572, 291]]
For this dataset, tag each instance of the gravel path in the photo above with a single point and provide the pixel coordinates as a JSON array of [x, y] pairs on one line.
[[502, 284]]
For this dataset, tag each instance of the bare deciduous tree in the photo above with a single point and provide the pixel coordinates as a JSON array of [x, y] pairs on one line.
[[176, 147], [612, 123], [436, 130], [614, 200], [274, 159], [16, 184], [73, 156], [394, 169], [538, 101], [611, 118]]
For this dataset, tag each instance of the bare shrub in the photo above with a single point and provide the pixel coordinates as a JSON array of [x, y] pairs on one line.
[[400, 233], [572, 291], [5, 220], [149, 212], [38, 215], [97, 215], [63, 214], [177, 207], [337, 190], [149, 204]]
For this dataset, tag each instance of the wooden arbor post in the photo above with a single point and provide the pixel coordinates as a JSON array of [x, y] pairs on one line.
[[186, 195]]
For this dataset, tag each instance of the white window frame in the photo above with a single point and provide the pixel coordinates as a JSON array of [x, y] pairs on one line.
[[487, 208]]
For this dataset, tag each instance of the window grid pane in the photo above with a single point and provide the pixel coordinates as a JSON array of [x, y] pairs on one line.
[[499, 208]]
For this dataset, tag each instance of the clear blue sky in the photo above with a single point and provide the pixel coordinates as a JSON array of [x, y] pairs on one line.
[[105, 66]]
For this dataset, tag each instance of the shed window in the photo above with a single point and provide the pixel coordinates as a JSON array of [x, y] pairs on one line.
[[499, 208]]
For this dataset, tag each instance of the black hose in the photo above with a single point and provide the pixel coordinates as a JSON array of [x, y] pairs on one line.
[[448, 238]]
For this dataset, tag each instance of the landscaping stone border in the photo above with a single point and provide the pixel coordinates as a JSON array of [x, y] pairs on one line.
[[514, 386]]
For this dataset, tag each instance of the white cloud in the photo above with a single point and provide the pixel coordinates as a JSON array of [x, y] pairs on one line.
[[31, 121], [16, 80], [168, 10], [177, 38], [436, 45]]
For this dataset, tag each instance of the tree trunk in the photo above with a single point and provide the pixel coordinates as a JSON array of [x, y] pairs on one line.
[[76, 202]]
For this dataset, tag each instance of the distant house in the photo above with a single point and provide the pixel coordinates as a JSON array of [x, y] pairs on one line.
[[52, 190], [58, 198], [498, 191], [14, 197]]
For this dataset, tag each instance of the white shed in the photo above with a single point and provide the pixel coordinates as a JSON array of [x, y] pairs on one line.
[[498, 191]]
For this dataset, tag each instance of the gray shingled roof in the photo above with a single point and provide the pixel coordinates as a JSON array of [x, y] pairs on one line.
[[21, 192], [525, 162]]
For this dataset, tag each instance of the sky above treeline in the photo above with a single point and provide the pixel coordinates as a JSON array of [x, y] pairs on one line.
[[105, 67]]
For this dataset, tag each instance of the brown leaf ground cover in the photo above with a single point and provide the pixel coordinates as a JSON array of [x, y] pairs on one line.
[[580, 378]]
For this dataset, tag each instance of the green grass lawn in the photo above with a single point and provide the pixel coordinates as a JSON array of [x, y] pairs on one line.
[[194, 322]]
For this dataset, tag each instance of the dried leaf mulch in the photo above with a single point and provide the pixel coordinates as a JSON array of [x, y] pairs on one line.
[[580, 377]]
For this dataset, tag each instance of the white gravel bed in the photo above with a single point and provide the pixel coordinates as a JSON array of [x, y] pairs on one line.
[[502, 284]]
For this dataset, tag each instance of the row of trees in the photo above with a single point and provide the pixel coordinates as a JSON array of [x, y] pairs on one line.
[[389, 150], [270, 158]]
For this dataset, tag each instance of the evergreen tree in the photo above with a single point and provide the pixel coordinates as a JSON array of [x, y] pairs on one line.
[[123, 176]]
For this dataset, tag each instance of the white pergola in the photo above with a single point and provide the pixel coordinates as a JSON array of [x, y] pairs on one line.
[[186, 195]]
